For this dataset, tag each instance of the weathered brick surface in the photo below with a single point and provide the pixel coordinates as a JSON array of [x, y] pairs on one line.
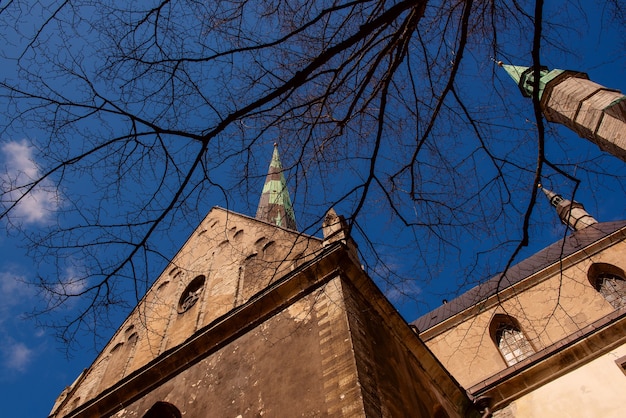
[[589, 109], [394, 382]]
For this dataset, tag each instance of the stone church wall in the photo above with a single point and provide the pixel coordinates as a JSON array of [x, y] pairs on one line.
[[297, 363], [393, 380]]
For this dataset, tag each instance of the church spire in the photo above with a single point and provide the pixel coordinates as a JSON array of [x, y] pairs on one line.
[[524, 77], [572, 214], [275, 204]]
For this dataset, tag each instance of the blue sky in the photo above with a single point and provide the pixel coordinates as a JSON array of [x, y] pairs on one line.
[[34, 367]]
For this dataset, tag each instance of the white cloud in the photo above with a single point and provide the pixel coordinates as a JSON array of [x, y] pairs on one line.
[[15, 296], [13, 292], [12, 287], [71, 284], [17, 355], [399, 292], [69, 287], [20, 170]]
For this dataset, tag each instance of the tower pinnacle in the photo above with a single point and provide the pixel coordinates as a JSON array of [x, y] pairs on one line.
[[275, 203], [524, 77], [572, 214]]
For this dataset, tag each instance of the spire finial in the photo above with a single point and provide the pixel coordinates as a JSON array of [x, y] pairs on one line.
[[553, 198], [275, 203]]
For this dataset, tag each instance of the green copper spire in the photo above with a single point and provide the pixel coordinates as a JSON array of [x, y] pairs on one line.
[[275, 204], [523, 76]]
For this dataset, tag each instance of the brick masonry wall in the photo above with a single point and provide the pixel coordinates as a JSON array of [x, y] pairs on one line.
[[591, 110]]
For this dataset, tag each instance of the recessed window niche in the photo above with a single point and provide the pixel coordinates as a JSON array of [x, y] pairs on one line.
[[191, 294]]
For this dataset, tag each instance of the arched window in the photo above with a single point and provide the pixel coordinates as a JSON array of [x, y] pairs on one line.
[[162, 410], [440, 412], [609, 281], [269, 248], [298, 260], [510, 340], [191, 294]]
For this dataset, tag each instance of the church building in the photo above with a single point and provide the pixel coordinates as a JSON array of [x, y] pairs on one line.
[[252, 318]]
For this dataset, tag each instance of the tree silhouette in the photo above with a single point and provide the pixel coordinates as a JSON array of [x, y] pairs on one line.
[[143, 116]]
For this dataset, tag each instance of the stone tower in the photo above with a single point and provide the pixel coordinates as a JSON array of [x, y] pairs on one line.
[[570, 98], [572, 214], [251, 318]]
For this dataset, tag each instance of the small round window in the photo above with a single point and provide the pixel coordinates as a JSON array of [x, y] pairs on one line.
[[191, 294]]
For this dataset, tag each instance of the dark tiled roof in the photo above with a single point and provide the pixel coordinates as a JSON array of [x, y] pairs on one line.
[[538, 261]]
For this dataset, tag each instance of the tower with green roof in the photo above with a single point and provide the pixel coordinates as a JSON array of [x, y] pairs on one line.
[[571, 99], [275, 203]]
